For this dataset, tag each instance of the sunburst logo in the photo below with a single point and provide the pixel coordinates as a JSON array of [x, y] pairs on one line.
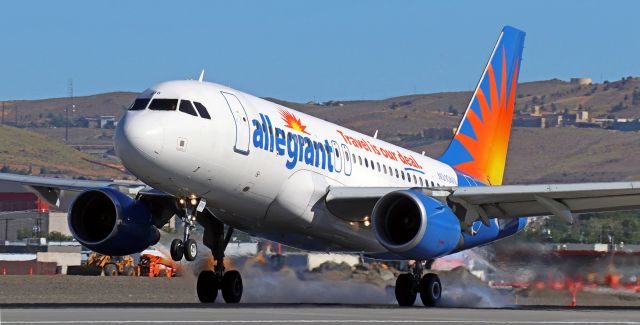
[[492, 128], [292, 122]]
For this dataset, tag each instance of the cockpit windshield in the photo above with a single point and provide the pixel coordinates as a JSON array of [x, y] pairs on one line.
[[139, 104], [168, 104], [163, 104]]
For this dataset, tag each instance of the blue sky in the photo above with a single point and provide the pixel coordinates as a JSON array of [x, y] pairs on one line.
[[304, 50]]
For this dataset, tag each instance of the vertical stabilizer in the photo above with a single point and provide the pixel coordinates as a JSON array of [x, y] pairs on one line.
[[479, 147]]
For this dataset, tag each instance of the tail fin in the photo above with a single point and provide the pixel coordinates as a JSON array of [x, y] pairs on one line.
[[479, 147]]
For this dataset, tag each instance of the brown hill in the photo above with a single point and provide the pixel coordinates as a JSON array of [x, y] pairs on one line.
[[554, 155]]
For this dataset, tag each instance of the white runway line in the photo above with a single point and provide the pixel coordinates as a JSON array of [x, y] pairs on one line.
[[306, 321]]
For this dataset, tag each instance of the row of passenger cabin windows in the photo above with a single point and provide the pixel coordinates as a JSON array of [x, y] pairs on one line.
[[393, 172], [375, 166], [167, 104]]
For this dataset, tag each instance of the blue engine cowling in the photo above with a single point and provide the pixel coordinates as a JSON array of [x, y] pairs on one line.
[[415, 226], [111, 223]]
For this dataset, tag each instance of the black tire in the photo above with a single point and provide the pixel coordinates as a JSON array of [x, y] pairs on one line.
[[406, 290], [190, 250], [129, 271], [110, 270], [177, 249], [232, 287], [430, 289], [207, 287]]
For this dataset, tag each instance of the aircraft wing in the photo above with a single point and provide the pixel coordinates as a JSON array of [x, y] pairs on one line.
[[507, 201], [60, 191]]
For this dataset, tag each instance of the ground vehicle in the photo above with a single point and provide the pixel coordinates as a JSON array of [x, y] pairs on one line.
[[155, 266], [112, 265]]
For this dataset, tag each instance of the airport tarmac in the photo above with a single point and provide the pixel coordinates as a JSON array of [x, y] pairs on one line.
[[304, 314]]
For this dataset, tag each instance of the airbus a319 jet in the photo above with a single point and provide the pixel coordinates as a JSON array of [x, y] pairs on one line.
[[227, 160]]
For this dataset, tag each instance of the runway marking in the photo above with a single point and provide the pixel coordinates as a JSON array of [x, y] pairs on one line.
[[304, 321]]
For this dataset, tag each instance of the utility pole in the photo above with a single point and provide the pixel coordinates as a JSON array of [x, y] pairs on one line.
[[6, 228], [71, 106]]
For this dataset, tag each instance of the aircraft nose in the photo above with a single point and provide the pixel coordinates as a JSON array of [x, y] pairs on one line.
[[137, 135]]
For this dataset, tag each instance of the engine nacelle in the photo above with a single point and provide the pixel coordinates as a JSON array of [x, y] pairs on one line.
[[111, 223], [415, 226]]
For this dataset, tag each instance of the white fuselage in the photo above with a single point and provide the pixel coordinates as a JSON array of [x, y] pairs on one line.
[[260, 173]]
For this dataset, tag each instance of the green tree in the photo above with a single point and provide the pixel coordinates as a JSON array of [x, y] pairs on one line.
[[58, 236]]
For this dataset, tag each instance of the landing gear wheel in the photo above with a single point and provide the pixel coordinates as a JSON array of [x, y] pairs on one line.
[[207, 287], [177, 249], [430, 289], [406, 290], [232, 287], [190, 250]]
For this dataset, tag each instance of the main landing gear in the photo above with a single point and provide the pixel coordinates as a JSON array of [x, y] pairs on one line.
[[187, 247], [408, 285], [209, 282]]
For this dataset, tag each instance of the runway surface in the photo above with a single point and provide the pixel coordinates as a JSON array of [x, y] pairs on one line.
[[304, 314]]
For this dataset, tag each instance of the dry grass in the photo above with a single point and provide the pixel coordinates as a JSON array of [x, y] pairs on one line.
[[22, 149]]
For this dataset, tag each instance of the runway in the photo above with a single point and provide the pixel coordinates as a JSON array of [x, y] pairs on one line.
[[304, 314]]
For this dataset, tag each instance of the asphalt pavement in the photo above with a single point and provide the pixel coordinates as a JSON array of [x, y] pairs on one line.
[[303, 314]]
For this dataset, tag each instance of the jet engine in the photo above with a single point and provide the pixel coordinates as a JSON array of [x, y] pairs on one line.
[[415, 226], [111, 223]]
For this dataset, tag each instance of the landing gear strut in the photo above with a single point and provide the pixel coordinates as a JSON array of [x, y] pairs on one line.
[[209, 282], [408, 285], [187, 247]]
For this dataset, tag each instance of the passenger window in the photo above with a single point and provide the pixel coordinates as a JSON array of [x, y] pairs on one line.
[[384, 167], [360, 160], [397, 174], [162, 104], [432, 185], [366, 162], [402, 172], [139, 104], [373, 166], [421, 182], [415, 180], [378, 167], [202, 111], [186, 107]]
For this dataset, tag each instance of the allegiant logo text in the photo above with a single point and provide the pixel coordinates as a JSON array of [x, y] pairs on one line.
[[297, 148]]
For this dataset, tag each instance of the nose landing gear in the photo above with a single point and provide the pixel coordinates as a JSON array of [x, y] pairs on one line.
[[408, 285], [187, 247]]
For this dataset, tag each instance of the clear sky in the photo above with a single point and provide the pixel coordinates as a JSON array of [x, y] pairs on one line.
[[304, 50]]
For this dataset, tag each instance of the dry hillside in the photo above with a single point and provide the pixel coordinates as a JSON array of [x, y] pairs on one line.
[[554, 155]]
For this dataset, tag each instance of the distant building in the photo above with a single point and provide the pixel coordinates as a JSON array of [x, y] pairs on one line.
[[528, 122], [581, 81], [20, 210], [102, 122]]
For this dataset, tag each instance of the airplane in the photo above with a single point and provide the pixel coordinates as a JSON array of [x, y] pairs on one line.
[[227, 160]]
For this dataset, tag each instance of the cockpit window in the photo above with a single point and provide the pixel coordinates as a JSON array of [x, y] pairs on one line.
[[139, 104], [162, 104], [186, 107], [202, 110]]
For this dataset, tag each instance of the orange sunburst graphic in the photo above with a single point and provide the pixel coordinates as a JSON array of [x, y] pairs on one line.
[[489, 149], [292, 122]]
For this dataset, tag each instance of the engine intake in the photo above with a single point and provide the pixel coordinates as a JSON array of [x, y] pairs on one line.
[[414, 225], [111, 223]]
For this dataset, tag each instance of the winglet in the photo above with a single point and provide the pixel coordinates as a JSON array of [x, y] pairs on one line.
[[201, 78]]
